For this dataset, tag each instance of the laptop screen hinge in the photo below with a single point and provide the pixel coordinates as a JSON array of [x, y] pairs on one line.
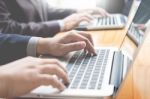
[[117, 69]]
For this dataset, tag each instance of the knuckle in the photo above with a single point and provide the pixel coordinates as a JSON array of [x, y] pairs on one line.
[[86, 40], [54, 68], [56, 62], [52, 79]]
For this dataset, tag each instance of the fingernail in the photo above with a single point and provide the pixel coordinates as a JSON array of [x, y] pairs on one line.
[[83, 44], [66, 84], [62, 87], [95, 52]]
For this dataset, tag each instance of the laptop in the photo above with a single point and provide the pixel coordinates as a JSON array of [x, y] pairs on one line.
[[91, 76], [113, 21], [135, 34]]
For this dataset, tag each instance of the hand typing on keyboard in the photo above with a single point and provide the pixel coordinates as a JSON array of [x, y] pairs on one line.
[[71, 41], [94, 11]]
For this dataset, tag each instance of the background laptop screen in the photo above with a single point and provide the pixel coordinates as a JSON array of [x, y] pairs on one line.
[[143, 14], [116, 6]]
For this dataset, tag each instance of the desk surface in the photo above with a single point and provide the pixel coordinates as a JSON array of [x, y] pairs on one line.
[[137, 83], [118, 38], [109, 38]]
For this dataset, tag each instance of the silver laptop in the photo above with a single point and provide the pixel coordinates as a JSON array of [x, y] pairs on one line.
[[90, 76], [113, 21], [135, 34]]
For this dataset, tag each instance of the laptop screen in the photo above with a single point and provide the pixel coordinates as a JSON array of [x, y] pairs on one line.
[[116, 6], [143, 14]]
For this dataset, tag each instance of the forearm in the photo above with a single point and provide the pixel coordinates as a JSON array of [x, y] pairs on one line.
[[59, 13], [12, 47], [41, 29]]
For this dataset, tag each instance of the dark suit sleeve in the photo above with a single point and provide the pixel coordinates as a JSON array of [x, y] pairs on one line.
[[8, 25], [59, 13], [12, 47]]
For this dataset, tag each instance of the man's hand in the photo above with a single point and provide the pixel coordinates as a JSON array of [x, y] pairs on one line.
[[74, 20], [71, 41], [94, 11], [140, 26], [22, 76]]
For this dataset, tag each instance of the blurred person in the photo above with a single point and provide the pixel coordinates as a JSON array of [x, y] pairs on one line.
[[37, 18]]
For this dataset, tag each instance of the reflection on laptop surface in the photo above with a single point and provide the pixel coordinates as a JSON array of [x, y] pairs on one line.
[[113, 21], [135, 34]]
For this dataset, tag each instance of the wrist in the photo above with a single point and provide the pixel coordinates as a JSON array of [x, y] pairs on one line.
[[61, 24], [43, 46], [4, 83]]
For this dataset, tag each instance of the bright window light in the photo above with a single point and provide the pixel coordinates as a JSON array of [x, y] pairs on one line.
[[77, 4]]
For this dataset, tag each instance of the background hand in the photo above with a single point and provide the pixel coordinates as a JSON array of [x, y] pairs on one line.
[[94, 11], [74, 20]]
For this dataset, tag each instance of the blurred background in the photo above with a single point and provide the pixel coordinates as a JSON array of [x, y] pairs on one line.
[[113, 6]]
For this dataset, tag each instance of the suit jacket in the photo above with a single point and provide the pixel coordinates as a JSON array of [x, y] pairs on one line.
[[30, 17], [12, 47]]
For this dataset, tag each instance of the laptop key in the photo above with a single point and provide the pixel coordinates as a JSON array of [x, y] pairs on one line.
[[87, 71]]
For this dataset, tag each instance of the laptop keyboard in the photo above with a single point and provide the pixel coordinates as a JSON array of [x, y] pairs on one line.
[[86, 71], [104, 21], [135, 34]]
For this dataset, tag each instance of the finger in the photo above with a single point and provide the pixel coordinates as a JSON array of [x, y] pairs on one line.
[[89, 45], [75, 37], [73, 47], [89, 16], [87, 36], [104, 13], [45, 79], [54, 69], [83, 19], [52, 61]]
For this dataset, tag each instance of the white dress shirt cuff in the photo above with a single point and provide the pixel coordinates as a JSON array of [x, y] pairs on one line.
[[32, 46], [61, 24]]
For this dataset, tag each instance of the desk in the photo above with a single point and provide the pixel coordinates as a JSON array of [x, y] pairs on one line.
[[137, 83], [107, 38], [116, 38]]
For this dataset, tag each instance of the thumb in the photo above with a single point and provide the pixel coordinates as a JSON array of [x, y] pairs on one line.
[[73, 46]]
